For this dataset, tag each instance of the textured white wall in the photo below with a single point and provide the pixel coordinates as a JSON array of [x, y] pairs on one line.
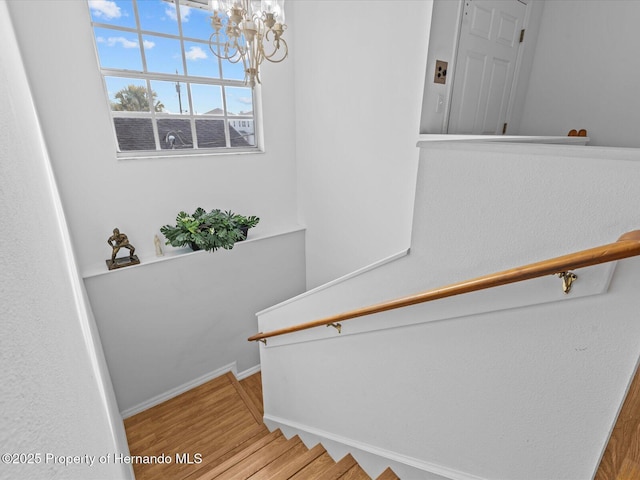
[[139, 196], [55, 394], [585, 73], [359, 76], [523, 394]]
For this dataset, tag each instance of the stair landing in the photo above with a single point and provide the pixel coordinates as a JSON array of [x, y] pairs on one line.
[[215, 431]]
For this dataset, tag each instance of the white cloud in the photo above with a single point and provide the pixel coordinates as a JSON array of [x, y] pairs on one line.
[[195, 53], [245, 100], [148, 44], [107, 9], [170, 12], [185, 12], [123, 42]]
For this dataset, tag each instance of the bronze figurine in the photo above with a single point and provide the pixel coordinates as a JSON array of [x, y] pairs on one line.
[[117, 241]]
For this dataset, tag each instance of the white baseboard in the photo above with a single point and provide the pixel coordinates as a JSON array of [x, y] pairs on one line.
[[369, 455], [174, 392], [248, 372]]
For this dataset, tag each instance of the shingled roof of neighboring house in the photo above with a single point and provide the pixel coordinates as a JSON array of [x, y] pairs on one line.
[[137, 134]]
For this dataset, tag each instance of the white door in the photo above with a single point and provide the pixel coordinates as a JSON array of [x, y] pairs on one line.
[[487, 52]]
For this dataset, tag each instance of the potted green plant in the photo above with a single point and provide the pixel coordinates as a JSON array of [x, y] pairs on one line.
[[208, 231], [245, 223]]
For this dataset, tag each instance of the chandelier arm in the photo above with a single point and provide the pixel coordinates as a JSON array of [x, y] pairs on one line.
[[276, 60]]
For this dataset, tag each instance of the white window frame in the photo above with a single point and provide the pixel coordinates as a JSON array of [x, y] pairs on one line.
[[183, 80]]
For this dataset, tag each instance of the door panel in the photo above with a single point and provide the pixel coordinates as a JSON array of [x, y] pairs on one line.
[[485, 65]]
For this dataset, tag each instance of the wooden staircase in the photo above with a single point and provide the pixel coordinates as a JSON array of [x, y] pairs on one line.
[[215, 431]]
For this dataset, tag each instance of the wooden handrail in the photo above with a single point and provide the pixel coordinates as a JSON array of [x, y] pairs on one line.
[[628, 245]]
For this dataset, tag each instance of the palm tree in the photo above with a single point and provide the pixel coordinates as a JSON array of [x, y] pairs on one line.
[[135, 98]]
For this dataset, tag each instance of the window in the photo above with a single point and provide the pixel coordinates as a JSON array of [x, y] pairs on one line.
[[165, 87]]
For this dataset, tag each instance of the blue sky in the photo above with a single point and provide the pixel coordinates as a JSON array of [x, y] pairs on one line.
[[121, 49]]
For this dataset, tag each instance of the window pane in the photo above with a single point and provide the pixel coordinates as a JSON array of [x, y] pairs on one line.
[[241, 132], [233, 71], [171, 97], [166, 88], [114, 12], [174, 133], [210, 133], [196, 22], [207, 99], [164, 55], [118, 49], [158, 16], [134, 133], [239, 100], [200, 61], [127, 94]]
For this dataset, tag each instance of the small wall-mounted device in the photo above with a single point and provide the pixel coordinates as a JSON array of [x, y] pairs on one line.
[[441, 72]]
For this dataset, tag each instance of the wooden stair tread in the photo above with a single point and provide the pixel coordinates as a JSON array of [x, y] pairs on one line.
[[213, 458], [388, 474], [271, 470], [355, 473], [315, 468], [240, 456], [339, 469], [257, 460], [299, 463]]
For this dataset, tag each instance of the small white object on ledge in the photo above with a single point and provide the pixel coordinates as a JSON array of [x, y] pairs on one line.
[[156, 241]]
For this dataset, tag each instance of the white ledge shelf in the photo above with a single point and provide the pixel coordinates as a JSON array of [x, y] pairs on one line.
[[176, 253], [425, 139]]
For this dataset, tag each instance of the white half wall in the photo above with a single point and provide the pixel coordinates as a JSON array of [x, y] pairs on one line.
[[524, 393], [55, 394], [359, 76], [169, 323]]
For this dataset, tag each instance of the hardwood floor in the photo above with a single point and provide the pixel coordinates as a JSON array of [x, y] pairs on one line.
[[210, 423], [621, 459], [215, 431]]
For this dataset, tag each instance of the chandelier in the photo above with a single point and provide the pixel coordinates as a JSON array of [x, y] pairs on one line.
[[249, 31]]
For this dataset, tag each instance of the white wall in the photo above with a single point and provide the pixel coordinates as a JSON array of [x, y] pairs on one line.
[[443, 40], [585, 73], [359, 76], [100, 192], [522, 393], [55, 393]]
